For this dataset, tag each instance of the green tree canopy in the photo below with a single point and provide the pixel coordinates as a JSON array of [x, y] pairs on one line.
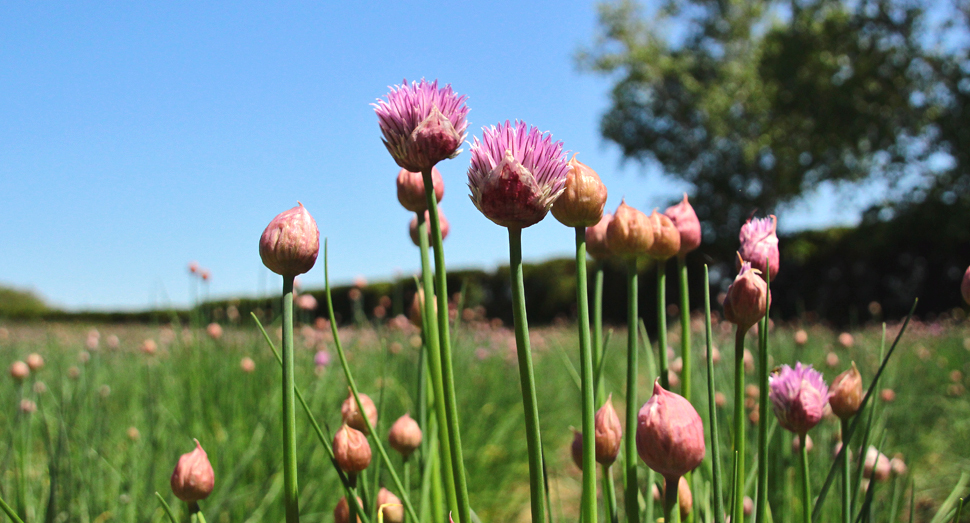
[[755, 102]]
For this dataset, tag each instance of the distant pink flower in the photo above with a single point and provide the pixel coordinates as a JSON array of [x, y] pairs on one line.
[[685, 219], [193, 267], [422, 124], [516, 174], [306, 302], [214, 330], [413, 227], [759, 245], [798, 396], [322, 359]]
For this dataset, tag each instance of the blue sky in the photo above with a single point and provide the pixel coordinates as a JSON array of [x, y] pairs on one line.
[[137, 137]]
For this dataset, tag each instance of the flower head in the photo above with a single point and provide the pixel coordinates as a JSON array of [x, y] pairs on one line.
[[410, 189], [630, 232], [413, 227], [516, 174], [581, 204], [689, 227], [35, 361], [759, 245], [666, 237], [609, 433], [390, 506], [422, 124], [193, 478], [405, 435], [351, 416], [846, 393], [670, 435], [341, 513], [747, 298], [596, 244], [19, 371], [290, 243], [798, 396], [351, 450]]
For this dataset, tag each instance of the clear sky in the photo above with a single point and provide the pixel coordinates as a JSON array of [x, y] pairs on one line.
[[136, 137]]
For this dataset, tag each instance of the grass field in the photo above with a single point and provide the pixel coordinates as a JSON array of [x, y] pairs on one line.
[[110, 423]]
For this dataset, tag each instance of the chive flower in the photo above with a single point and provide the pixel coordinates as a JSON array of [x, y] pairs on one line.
[[422, 124], [798, 396], [516, 174], [759, 245]]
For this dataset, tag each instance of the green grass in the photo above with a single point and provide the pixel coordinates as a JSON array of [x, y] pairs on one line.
[[78, 444]]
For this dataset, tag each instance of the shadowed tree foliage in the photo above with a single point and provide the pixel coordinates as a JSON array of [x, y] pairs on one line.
[[756, 102]]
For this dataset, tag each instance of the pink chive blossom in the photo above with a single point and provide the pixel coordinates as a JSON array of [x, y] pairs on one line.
[[516, 174], [965, 286], [685, 219], [422, 124], [798, 396], [759, 245]]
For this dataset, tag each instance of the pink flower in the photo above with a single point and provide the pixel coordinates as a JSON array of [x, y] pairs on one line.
[[747, 298], [965, 286], [670, 434], [290, 243], [193, 478], [759, 245], [422, 124], [798, 396], [685, 219], [516, 174]]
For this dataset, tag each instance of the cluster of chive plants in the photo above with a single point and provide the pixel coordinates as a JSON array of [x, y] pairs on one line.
[[517, 175]]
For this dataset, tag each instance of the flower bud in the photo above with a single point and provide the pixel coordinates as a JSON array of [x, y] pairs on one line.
[[247, 365], [798, 396], [193, 478], [19, 371], [28, 406], [687, 224], [581, 204], [801, 337], [214, 330], [35, 362], [898, 466], [390, 505], [405, 435], [629, 233], [577, 448], [596, 244], [846, 393], [351, 415], [413, 227], [965, 286], [796, 444], [670, 435], [609, 433], [410, 189], [748, 506], [759, 245], [747, 298], [666, 237], [341, 513], [290, 243], [351, 450]]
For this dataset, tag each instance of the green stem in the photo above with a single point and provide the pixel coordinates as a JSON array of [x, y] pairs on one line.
[[846, 476], [586, 368], [806, 485], [375, 440], [671, 500], [526, 375], [762, 490], [685, 348], [629, 439], [324, 438], [598, 349], [167, 509], [407, 479], [352, 507], [609, 492], [717, 481], [739, 424], [195, 513], [432, 340], [451, 408], [291, 498], [662, 323]]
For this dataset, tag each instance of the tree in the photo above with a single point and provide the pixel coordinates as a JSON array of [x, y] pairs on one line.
[[755, 102]]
